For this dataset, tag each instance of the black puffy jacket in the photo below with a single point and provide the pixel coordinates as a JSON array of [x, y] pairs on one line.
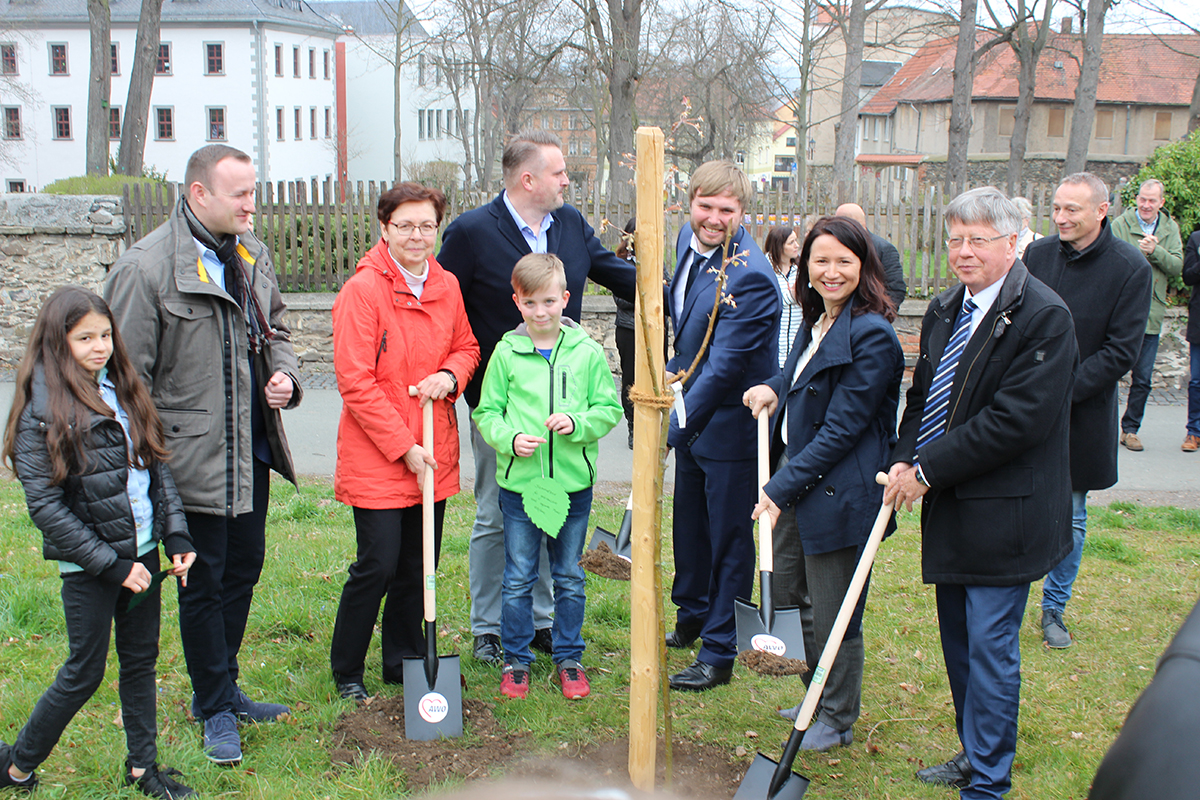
[[87, 519]]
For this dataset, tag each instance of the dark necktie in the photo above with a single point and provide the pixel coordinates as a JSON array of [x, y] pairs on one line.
[[937, 402], [693, 271]]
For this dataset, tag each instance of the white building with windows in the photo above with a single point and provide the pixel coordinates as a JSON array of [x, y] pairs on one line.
[[257, 76], [432, 122]]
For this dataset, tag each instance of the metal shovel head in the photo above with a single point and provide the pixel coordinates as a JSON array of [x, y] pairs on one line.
[[757, 783], [621, 543], [785, 638], [432, 712]]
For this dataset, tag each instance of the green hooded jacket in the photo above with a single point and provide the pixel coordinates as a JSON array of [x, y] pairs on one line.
[[521, 389]]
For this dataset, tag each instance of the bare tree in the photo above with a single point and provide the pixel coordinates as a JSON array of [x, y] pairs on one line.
[[1158, 14], [716, 63], [1084, 111], [141, 82], [99, 86], [843, 154], [966, 56], [1028, 41]]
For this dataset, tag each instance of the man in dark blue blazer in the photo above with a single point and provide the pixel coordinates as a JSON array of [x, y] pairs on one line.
[[984, 442], [715, 439], [480, 247]]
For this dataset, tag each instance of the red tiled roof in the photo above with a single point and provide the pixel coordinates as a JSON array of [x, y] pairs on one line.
[[1136, 68]]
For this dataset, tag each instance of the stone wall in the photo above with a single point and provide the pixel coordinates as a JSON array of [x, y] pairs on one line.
[[47, 241]]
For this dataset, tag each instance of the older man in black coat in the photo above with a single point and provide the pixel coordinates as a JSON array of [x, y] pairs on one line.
[[1106, 282], [984, 441]]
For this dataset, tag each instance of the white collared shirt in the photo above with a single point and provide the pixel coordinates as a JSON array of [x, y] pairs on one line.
[[983, 302], [680, 291], [536, 241]]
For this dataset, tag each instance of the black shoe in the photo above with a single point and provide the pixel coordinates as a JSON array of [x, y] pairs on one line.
[[956, 772], [158, 781], [350, 688], [700, 677], [488, 649], [682, 637], [543, 641], [6, 780]]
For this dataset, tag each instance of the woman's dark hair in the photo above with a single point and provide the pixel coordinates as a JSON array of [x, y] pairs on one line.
[[409, 192], [625, 246], [773, 245], [71, 390], [870, 295]]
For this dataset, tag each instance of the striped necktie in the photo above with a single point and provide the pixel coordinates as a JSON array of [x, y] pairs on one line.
[[937, 403]]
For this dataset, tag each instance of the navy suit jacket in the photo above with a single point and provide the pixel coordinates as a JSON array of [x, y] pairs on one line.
[[841, 418], [481, 247], [741, 353]]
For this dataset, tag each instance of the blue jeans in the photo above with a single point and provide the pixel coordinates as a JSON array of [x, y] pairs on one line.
[[1193, 417], [1139, 384], [485, 553], [522, 546], [1056, 589]]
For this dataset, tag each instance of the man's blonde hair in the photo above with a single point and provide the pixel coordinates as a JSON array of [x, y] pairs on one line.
[[717, 177], [536, 271]]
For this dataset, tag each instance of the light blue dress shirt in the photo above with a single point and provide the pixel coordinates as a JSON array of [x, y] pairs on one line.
[[537, 243]]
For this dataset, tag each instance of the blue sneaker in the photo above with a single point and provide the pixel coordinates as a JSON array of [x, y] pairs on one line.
[[246, 710], [222, 745]]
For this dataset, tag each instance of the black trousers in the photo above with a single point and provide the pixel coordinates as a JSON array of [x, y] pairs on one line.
[[90, 607], [388, 563], [214, 606]]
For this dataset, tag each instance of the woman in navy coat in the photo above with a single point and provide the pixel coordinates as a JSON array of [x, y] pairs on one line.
[[842, 381]]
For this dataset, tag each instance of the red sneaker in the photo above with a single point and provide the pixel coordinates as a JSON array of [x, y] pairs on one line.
[[514, 681], [574, 680]]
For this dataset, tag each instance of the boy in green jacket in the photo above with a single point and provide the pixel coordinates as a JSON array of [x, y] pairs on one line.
[[548, 397]]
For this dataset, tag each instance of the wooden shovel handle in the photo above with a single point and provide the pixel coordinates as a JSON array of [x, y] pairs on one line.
[[766, 542], [817, 685], [427, 555]]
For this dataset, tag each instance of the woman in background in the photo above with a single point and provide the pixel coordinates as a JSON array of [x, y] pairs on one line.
[[781, 248]]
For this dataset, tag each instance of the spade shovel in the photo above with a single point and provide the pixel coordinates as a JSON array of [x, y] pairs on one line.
[[772, 630], [621, 544], [766, 779], [432, 684]]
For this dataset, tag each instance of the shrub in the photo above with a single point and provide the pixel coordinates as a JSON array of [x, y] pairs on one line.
[[95, 184]]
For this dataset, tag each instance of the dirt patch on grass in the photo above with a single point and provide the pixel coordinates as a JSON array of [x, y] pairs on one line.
[[490, 752], [770, 664]]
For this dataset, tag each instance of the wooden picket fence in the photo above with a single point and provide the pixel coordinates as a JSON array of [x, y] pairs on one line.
[[317, 231]]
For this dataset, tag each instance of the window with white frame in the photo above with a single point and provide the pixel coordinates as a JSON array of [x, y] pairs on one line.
[[58, 60], [12, 122], [214, 58], [62, 121], [216, 124], [162, 66], [114, 123], [164, 123], [8, 58]]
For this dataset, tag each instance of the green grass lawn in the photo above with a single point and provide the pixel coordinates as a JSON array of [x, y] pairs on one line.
[[1139, 579]]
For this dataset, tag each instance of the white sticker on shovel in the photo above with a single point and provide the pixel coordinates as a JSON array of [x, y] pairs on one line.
[[433, 707], [768, 644]]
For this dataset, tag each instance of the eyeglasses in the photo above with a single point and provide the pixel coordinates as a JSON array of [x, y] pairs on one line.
[[976, 242], [406, 228]]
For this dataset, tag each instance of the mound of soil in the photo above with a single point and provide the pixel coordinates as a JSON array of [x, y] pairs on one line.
[[700, 771], [604, 562], [765, 663]]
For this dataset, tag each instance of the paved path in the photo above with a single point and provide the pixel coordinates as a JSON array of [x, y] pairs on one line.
[[1160, 475]]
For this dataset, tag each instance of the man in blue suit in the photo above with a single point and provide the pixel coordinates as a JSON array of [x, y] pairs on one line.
[[480, 247], [715, 438]]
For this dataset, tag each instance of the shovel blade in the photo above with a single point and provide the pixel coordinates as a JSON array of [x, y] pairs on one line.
[[432, 712], [785, 637], [602, 536], [757, 783]]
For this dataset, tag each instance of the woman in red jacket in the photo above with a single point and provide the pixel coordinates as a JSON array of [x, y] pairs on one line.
[[398, 322]]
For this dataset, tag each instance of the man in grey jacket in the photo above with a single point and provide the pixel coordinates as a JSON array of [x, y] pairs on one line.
[[199, 308]]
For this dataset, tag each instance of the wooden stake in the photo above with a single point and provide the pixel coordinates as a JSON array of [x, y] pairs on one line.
[[645, 600]]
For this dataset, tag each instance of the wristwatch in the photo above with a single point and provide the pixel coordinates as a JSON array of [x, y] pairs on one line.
[[453, 380], [921, 477]]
